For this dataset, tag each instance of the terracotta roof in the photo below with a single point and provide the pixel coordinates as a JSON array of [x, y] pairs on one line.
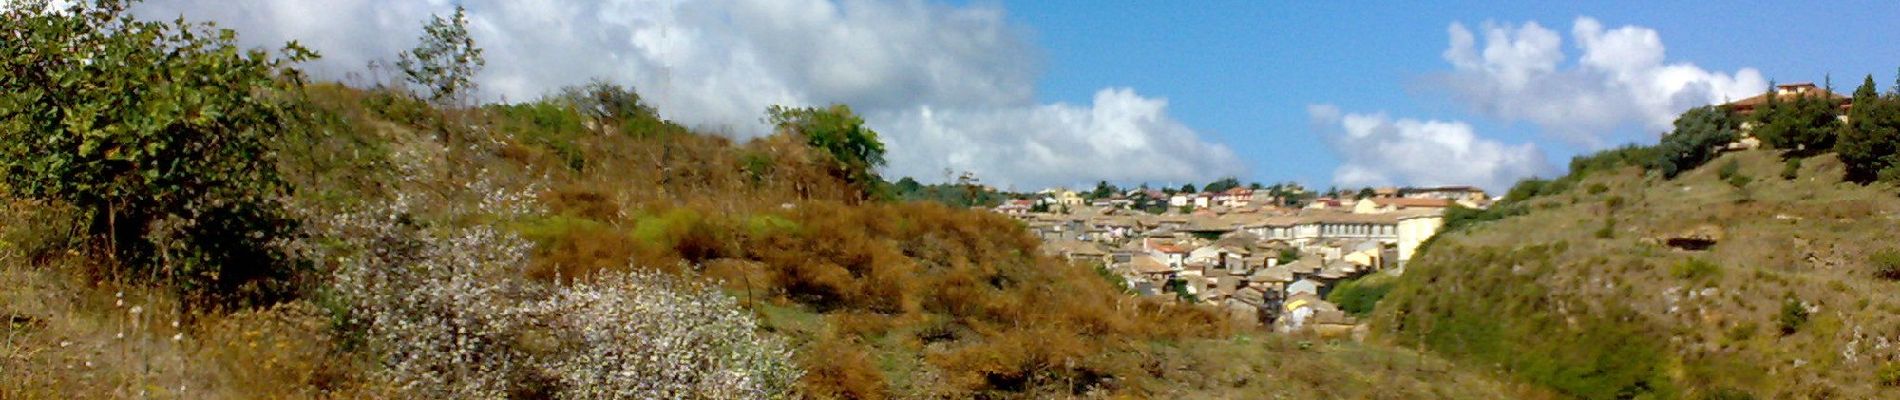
[[1749, 104], [1149, 265], [1411, 202]]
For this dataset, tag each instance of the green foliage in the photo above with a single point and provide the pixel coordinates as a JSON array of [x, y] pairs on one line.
[[960, 194], [1699, 132], [1870, 140], [839, 133], [1791, 169], [1728, 169], [619, 107], [1359, 296], [1611, 352], [160, 132], [1527, 189], [1793, 315], [1889, 374], [1597, 188], [1609, 160], [1608, 231], [445, 62], [1114, 280], [1886, 264], [1694, 269], [1189, 189], [1103, 190], [1288, 255], [1802, 127], [550, 125], [1222, 184]]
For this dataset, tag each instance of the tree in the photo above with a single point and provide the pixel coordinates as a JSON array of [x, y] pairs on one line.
[[1699, 132], [446, 61], [1188, 188], [1803, 127], [906, 186], [1870, 139], [839, 133], [1222, 184], [159, 132], [1103, 190]]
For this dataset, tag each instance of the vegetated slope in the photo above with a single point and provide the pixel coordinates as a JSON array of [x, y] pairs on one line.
[[1583, 292], [876, 299]]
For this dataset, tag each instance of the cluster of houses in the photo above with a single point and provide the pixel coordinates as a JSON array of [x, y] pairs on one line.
[[1261, 262]]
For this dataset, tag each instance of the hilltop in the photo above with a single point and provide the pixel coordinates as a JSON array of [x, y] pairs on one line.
[[1747, 277]]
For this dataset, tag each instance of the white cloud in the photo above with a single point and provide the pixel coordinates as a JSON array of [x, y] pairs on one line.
[[909, 66], [1376, 150], [1620, 80], [1124, 136]]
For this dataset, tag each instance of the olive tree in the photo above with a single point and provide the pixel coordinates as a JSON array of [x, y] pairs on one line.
[[159, 131], [837, 132]]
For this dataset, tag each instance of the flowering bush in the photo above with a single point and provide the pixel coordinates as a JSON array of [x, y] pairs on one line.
[[452, 317]]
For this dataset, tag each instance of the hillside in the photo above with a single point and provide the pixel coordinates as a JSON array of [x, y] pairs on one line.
[[1585, 292], [187, 220]]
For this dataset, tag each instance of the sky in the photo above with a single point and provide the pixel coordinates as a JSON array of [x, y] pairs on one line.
[[1031, 94]]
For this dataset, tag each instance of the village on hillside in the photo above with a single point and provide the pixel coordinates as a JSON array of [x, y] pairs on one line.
[[1266, 257]]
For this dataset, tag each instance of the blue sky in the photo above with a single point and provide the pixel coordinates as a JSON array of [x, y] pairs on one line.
[[1030, 94], [1243, 72]]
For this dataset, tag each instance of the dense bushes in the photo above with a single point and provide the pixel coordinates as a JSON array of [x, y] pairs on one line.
[[1886, 264], [167, 152], [1699, 133], [1358, 296], [1606, 351]]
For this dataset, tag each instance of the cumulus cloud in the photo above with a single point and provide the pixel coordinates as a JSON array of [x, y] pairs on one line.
[[948, 86], [1376, 150], [1125, 136], [1621, 79]]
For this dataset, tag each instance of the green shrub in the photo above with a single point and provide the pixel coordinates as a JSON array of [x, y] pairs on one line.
[[1359, 296], [1608, 230], [1597, 188], [1792, 317], [1729, 169], [1889, 374], [1694, 269], [161, 132], [1698, 132], [1886, 264], [1791, 169], [1614, 203]]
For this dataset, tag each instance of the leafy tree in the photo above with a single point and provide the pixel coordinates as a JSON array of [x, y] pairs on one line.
[[1793, 315], [1699, 132], [446, 61], [1870, 140], [839, 133], [1364, 193], [159, 131], [1802, 127], [1103, 190], [907, 186], [1188, 188], [1222, 184], [617, 106]]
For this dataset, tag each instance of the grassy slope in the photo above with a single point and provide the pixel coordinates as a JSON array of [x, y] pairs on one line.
[[883, 300], [1548, 298]]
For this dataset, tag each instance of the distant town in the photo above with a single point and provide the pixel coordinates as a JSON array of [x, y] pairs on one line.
[[1266, 255]]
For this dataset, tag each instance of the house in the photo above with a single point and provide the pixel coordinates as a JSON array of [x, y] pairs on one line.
[[1076, 251], [1788, 92], [1380, 205], [1307, 286], [1070, 198], [1236, 197], [1300, 309], [1782, 93], [1151, 268], [1413, 230], [1453, 193]]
